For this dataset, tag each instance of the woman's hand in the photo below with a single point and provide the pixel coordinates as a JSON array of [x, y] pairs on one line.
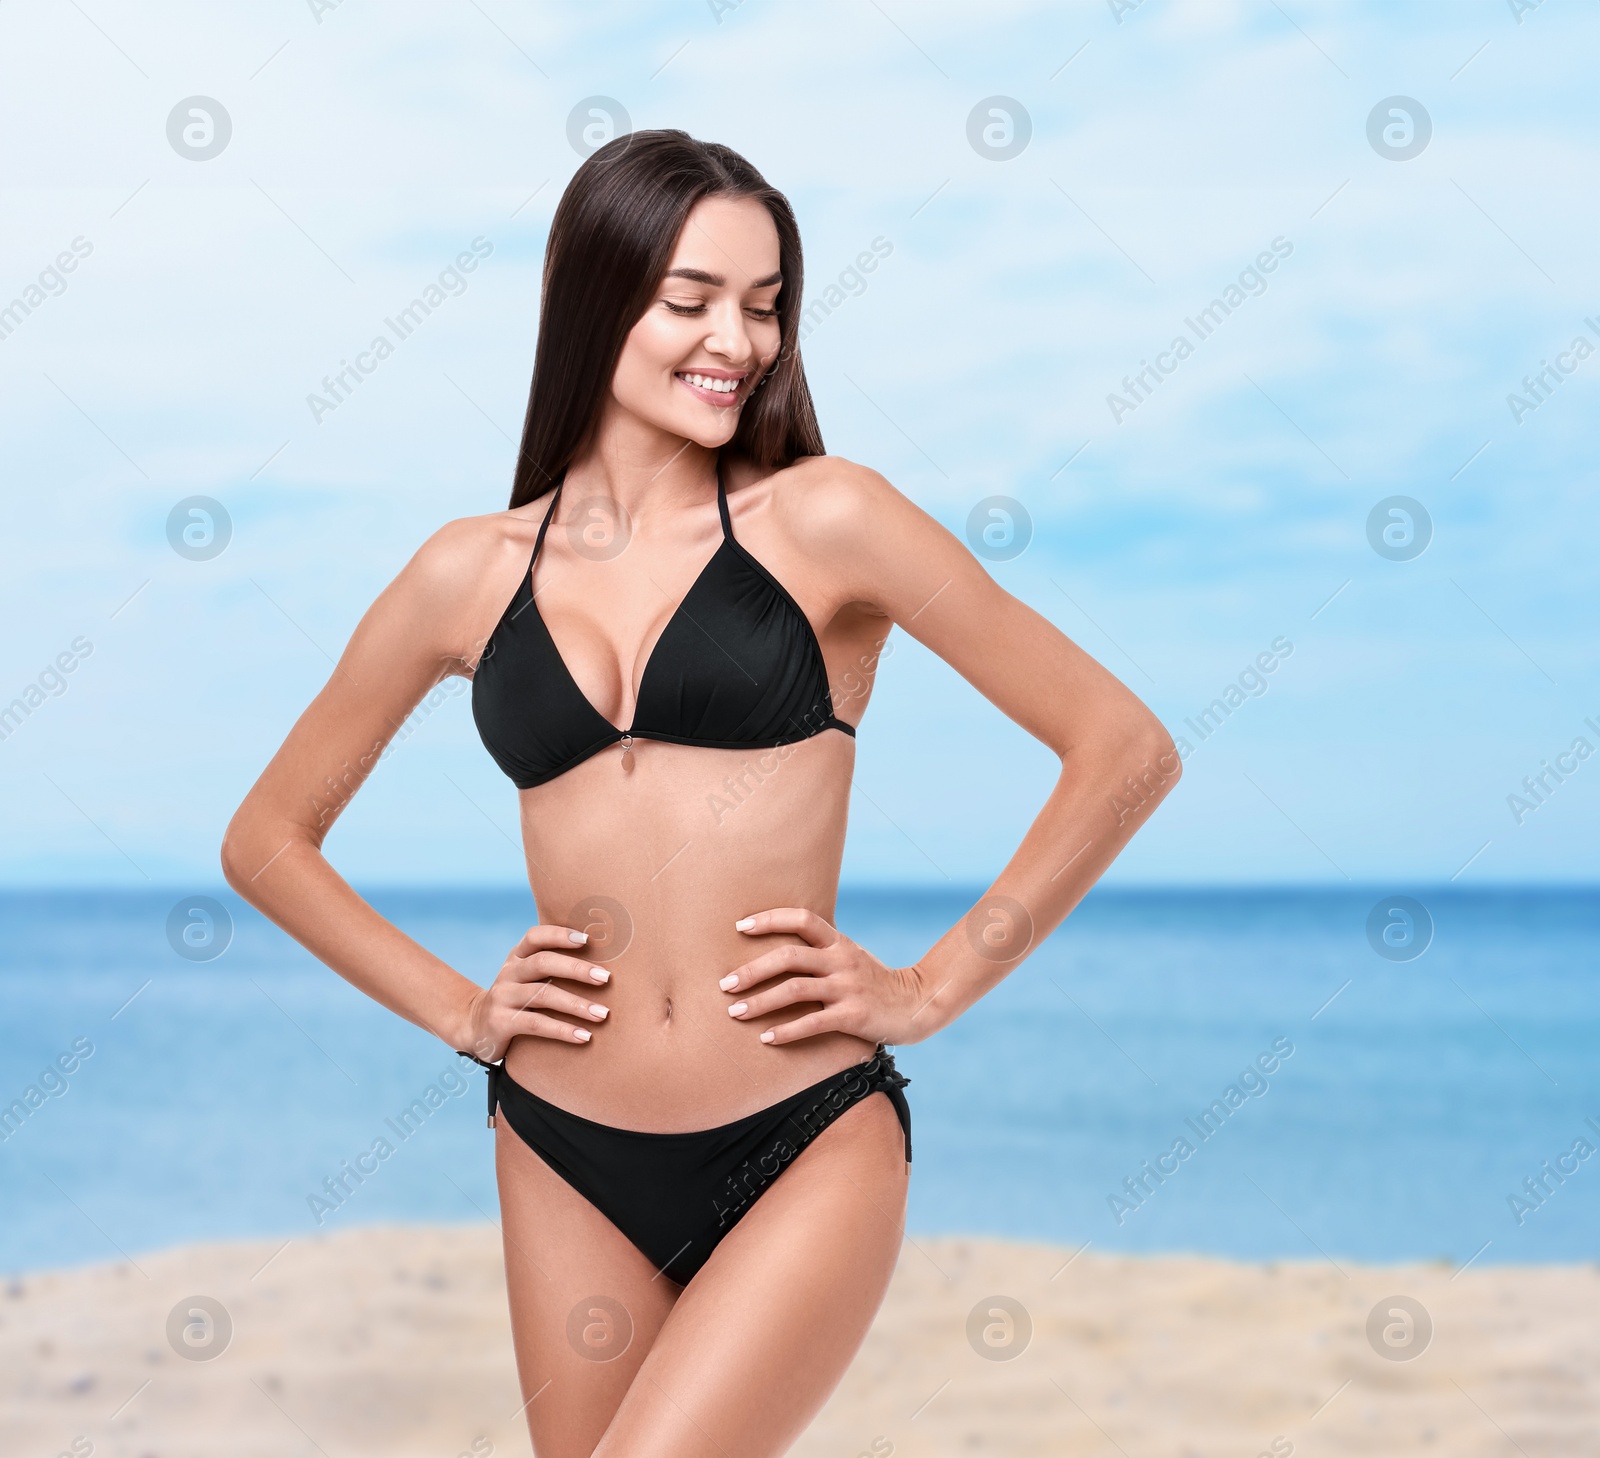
[[511, 1006], [859, 994]]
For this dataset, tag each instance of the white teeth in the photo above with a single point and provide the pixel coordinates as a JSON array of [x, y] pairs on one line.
[[706, 382]]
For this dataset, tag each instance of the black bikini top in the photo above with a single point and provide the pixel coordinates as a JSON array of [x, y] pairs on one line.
[[736, 667]]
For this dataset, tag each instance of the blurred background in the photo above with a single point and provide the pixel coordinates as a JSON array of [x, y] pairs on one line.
[[1253, 344]]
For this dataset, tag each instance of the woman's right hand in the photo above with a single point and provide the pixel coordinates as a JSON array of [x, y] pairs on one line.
[[520, 1000]]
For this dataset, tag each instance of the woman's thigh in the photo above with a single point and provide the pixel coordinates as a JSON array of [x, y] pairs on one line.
[[586, 1304], [761, 1336]]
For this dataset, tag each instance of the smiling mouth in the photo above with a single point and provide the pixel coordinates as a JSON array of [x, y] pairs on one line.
[[715, 389]]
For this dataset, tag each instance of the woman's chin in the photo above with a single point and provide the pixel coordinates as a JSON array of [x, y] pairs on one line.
[[710, 434]]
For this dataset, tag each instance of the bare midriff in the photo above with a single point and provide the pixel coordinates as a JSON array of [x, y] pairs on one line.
[[657, 863]]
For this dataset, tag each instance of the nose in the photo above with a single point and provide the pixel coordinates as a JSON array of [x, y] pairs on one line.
[[727, 334]]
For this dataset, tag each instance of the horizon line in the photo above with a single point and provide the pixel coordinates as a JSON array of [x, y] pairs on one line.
[[1389, 885]]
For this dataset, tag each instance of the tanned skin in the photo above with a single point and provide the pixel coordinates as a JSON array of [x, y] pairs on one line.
[[704, 1016]]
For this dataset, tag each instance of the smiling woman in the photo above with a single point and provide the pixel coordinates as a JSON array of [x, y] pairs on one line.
[[625, 259], [702, 1199]]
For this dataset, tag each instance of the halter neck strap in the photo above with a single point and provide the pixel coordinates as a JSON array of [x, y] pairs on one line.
[[722, 502], [544, 526]]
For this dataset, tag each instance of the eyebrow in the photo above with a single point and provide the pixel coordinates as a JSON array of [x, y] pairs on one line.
[[716, 280]]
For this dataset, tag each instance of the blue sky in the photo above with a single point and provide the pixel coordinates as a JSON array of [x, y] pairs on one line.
[[1171, 144]]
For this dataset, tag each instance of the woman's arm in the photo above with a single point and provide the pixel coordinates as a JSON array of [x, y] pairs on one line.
[[1117, 761], [419, 631]]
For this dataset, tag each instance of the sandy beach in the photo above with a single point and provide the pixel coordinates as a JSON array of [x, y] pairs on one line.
[[395, 1342]]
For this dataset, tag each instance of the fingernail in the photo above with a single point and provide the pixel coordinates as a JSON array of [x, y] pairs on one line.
[[766, 1037], [729, 982], [581, 1034], [744, 923], [737, 1009], [597, 1010], [600, 974], [579, 937]]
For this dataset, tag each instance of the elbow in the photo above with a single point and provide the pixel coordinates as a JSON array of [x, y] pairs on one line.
[[251, 843], [1149, 757], [1153, 742], [234, 855], [232, 865], [1134, 754], [1125, 736]]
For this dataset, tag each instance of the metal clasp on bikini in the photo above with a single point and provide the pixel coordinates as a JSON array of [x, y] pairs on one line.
[[627, 751]]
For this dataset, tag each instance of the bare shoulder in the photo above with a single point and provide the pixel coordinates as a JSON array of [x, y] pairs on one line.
[[451, 560], [461, 574], [826, 501], [883, 548]]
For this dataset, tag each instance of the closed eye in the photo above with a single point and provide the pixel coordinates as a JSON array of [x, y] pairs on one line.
[[701, 308]]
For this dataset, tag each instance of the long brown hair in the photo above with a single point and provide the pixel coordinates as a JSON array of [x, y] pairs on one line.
[[611, 241]]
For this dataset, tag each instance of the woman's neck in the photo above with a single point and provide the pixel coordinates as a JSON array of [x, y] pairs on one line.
[[642, 469]]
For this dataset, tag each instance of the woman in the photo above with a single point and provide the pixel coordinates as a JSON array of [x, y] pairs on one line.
[[672, 635]]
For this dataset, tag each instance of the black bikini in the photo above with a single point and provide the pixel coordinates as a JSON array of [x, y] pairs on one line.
[[737, 666], [676, 1195]]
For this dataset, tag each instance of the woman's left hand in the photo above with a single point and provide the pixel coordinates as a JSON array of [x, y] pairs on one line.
[[859, 994]]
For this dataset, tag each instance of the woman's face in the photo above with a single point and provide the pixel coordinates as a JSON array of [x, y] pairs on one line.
[[711, 331]]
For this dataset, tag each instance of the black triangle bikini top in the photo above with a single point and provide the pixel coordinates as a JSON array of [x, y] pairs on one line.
[[736, 667]]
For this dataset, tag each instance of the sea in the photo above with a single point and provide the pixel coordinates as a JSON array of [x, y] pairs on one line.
[[1374, 1075]]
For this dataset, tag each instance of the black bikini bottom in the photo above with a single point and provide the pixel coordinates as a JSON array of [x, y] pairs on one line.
[[676, 1195]]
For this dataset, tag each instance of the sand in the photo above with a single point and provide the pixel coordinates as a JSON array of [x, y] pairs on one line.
[[395, 1342]]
